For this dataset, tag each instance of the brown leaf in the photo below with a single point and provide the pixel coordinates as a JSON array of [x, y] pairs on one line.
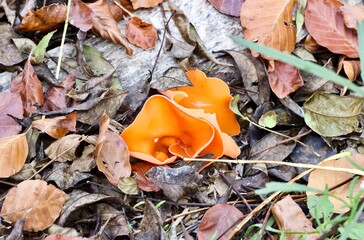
[[327, 27], [112, 153], [219, 219], [46, 19], [116, 11], [283, 78], [352, 15], [64, 149], [13, 153], [11, 104], [145, 3], [229, 7], [319, 178], [141, 33], [56, 97], [290, 218], [351, 68], [65, 237], [151, 226], [270, 25], [9, 53], [105, 25], [140, 168], [57, 127], [310, 44], [37, 203], [30, 89], [80, 15]]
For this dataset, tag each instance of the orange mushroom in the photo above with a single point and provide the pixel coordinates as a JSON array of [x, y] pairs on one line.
[[210, 94]]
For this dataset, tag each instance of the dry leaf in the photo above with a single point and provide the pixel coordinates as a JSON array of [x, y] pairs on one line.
[[11, 104], [269, 23], [290, 218], [141, 33], [319, 178], [310, 44], [37, 203], [283, 78], [219, 219], [64, 148], [30, 89], [145, 3], [351, 68], [80, 15], [13, 153], [352, 15], [105, 25], [327, 27], [140, 168], [57, 127], [46, 19], [65, 237], [229, 7], [112, 154]]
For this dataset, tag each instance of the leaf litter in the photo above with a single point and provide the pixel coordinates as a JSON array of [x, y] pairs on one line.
[[98, 152]]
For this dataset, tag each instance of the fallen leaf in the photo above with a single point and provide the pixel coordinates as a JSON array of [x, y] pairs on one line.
[[145, 3], [128, 185], [271, 25], [229, 7], [80, 15], [46, 19], [320, 178], [283, 78], [140, 168], [151, 226], [117, 227], [64, 148], [30, 200], [112, 155], [30, 89], [268, 119], [218, 222], [142, 34], [351, 68], [13, 153], [39, 51], [17, 232], [65, 237], [352, 15], [105, 25], [290, 218], [57, 127], [324, 23], [11, 104], [330, 115], [9, 54], [310, 44]]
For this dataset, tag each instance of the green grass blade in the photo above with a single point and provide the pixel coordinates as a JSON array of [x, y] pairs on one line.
[[300, 64]]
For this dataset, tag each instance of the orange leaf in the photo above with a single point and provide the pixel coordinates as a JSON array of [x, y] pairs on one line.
[[319, 178], [283, 78], [11, 104], [29, 87], [219, 219], [105, 25], [327, 27], [270, 23], [13, 153], [112, 153], [80, 15], [37, 203], [290, 218], [57, 127], [352, 15], [46, 19], [141, 33], [145, 3]]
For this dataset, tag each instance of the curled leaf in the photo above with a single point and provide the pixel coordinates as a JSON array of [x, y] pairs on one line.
[[57, 127], [141, 33], [145, 3]]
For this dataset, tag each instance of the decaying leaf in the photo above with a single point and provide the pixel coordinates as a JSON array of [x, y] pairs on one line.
[[30, 200], [64, 148], [30, 89], [229, 7], [65, 237], [80, 15], [352, 15], [219, 222], [13, 153], [140, 33], [112, 153], [145, 3], [324, 23], [290, 218], [350, 67], [128, 185], [57, 127], [320, 178], [330, 115], [11, 104], [140, 168], [152, 224], [9, 53]]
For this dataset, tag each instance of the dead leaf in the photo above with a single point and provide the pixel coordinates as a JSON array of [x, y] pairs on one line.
[[145, 3], [46, 19], [11, 104], [80, 15], [271, 25], [151, 226], [13, 153], [65, 237], [30, 200], [352, 15], [310, 44], [105, 25], [351, 68], [128, 185], [320, 178], [112, 154], [229, 7], [324, 23], [140, 168], [290, 218], [142, 34], [17, 232], [219, 219], [30, 89], [57, 127], [64, 148], [9, 54], [283, 78]]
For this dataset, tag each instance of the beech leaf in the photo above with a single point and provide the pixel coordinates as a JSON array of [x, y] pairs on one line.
[[229, 7], [145, 3], [57, 127], [352, 15], [37, 203], [141, 33], [331, 115], [11, 104], [80, 15]]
